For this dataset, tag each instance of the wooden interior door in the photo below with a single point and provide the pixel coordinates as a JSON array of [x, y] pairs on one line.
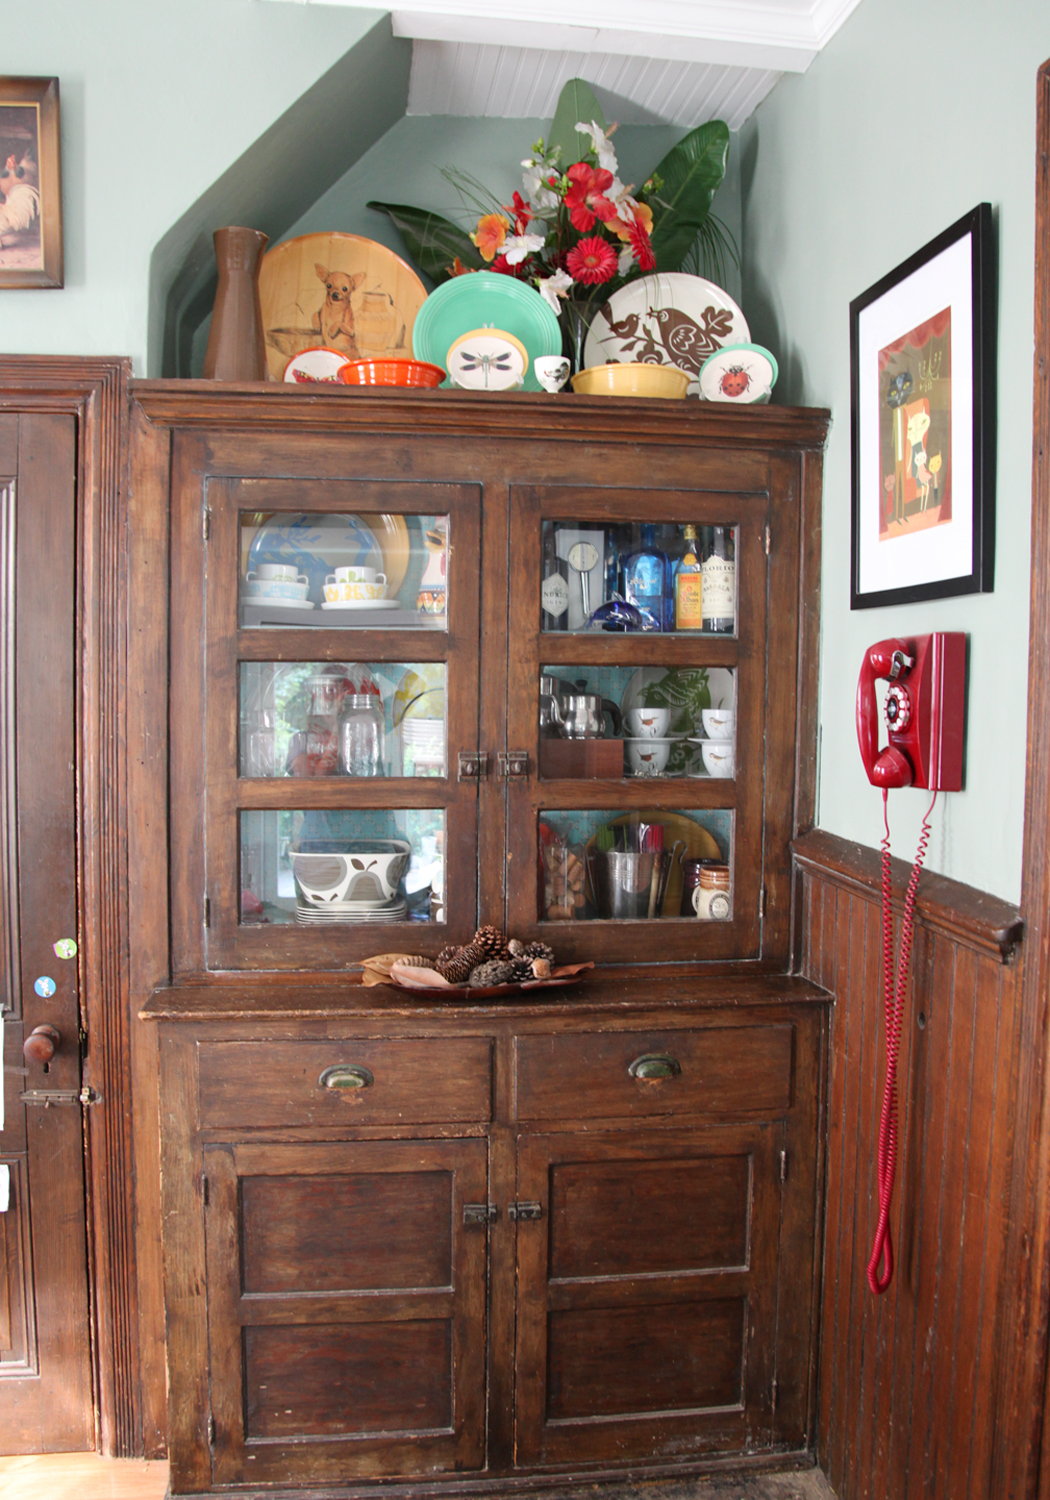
[[647, 1294], [45, 1369]]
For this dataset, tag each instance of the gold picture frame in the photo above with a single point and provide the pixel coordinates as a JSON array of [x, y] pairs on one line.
[[30, 184]]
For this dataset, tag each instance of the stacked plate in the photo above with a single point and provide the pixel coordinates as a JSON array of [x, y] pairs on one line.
[[351, 911], [426, 740]]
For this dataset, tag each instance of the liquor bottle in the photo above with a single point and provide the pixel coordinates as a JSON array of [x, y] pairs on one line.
[[647, 581], [719, 576], [554, 588], [688, 586]]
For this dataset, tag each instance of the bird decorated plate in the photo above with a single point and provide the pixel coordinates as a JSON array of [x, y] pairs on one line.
[[666, 319]]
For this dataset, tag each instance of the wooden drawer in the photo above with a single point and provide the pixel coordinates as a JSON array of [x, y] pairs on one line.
[[724, 1071], [411, 1082]]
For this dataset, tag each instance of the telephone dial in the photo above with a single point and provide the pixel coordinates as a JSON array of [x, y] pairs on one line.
[[925, 715]]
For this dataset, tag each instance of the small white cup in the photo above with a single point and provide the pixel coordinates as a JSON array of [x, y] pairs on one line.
[[358, 575], [718, 757], [283, 572], [647, 757], [718, 723], [647, 723], [552, 371]]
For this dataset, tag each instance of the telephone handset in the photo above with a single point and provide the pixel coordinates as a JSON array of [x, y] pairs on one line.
[[925, 714]]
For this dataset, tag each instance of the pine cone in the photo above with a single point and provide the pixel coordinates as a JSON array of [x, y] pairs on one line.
[[515, 948], [496, 971], [538, 950], [450, 951], [492, 942], [457, 968], [522, 968]]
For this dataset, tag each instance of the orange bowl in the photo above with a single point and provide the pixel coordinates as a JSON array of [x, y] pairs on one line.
[[390, 372]]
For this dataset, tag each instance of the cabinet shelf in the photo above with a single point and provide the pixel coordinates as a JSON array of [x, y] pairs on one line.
[[630, 650]]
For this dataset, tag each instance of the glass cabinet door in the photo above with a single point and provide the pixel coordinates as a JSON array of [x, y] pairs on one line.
[[338, 664], [638, 690]]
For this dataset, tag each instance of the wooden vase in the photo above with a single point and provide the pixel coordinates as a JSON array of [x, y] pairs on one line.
[[236, 349]]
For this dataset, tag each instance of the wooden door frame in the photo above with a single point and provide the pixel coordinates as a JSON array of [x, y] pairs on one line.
[[1022, 1465], [94, 391]]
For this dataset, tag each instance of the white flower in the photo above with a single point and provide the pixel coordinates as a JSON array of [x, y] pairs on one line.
[[517, 246], [553, 287], [599, 144], [536, 189], [626, 260]]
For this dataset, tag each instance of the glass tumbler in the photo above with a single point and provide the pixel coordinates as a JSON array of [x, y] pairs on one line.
[[362, 736]]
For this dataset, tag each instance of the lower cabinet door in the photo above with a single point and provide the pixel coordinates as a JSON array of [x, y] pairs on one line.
[[647, 1285], [346, 1310]]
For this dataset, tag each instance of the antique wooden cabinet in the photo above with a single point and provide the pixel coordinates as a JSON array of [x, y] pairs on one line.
[[562, 1231]]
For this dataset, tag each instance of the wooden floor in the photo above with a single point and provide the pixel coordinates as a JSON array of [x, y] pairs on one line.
[[85, 1476]]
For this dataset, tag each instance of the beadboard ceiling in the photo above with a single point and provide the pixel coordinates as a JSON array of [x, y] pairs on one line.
[[696, 59]]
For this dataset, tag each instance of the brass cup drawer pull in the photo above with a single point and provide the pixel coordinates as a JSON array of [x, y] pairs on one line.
[[346, 1076], [653, 1066]]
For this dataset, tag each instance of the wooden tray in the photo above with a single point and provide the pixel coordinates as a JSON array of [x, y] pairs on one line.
[[565, 974]]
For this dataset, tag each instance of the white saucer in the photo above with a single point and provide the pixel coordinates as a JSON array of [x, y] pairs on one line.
[[363, 604], [260, 603]]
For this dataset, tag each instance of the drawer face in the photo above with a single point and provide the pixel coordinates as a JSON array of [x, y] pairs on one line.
[[412, 1082], [723, 1071]]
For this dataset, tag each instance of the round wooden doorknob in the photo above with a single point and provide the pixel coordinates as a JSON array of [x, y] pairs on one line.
[[41, 1044]]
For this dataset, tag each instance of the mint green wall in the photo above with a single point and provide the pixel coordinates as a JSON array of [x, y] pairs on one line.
[[916, 111], [158, 97]]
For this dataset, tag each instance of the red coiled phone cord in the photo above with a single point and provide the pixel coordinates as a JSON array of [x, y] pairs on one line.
[[894, 991]]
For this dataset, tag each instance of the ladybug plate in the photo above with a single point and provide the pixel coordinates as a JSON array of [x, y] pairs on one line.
[[741, 374]]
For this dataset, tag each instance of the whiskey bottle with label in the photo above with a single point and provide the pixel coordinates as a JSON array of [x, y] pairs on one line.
[[688, 585], [719, 577], [554, 585]]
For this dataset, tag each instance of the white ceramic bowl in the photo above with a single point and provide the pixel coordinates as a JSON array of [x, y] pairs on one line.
[[647, 756], [366, 870], [277, 588], [647, 723], [718, 723], [718, 757]]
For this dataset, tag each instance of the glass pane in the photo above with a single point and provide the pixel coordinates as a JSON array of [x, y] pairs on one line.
[[351, 865], [654, 576], [323, 569], [637, 721], [605, 866], [342, 718]]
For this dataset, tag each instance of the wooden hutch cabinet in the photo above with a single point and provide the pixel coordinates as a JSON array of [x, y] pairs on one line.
[[575, 1232]]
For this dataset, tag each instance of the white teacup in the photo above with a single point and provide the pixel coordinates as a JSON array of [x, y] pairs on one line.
[[552, 371], [718, 757], [647, 757], [358, 575], [285, 572], [647, 723], [719, 723]]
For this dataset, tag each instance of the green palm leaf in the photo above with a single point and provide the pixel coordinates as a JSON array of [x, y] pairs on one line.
[[692, 173], [431, 241], [576, 103]]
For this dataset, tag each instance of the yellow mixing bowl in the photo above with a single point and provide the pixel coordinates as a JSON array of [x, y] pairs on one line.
[[632, 380]]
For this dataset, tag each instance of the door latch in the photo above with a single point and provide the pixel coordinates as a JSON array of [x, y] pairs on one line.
[[528, 1210], [473, 765], [480, 1213], [47, 1097], [513, 763]]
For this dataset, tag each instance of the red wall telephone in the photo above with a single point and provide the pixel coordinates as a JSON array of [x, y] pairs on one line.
[[925, 713]]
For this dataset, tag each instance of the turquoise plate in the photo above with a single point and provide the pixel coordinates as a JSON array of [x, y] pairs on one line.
[[485, 299]]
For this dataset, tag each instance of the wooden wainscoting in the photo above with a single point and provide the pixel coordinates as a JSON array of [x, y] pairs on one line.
[[906, 1403]]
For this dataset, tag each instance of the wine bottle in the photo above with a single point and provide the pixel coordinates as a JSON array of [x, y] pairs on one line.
[[554, 587], [688, 586], [719, 582]]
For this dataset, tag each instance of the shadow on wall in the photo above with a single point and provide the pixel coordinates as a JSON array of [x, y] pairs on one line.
[[272, 185], [760, 299]]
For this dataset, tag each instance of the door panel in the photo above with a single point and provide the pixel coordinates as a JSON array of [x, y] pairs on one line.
[[45, 1376]]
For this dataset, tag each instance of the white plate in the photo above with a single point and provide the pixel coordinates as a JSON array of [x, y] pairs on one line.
[[258, 603], [666, 319], [316, 366], [487, 359], [364, 604], [740, 374]]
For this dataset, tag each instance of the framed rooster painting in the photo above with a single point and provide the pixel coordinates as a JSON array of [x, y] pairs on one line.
[[30, 189], [922, 386]]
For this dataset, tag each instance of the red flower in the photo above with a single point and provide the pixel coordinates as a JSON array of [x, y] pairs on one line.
[[592, 261], [642, 246], [520, 212], [502, 264], [585, 200]]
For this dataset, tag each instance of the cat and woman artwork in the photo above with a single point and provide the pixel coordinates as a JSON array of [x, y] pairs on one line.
[[915, 416]]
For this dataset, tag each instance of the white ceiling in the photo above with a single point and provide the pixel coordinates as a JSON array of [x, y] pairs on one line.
[[696, 60]]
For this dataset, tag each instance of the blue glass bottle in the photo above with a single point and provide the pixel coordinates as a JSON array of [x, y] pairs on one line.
[[646, 574]]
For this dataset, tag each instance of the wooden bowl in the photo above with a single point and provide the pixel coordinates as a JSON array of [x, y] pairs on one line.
[[403, 372], [632, 380]]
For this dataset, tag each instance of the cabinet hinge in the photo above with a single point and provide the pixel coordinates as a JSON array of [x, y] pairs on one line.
[[204, 1190], [762, 904], [525, 1211], [211, 1432], [206, 524], [207, 911], [480, 1213], [783, 1166], [769, 539], [773, 1395]]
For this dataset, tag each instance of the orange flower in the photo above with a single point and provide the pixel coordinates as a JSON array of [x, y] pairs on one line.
[[490, 234], [643, 215]]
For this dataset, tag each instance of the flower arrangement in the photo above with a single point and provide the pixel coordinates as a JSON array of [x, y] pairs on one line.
[[579, 233]]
